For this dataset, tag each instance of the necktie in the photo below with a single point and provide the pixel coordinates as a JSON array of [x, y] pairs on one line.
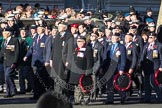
[[149, 51], [112, 50], [150, 46], [126, 45], [5, 43], [92, 44], [38, 39], [134, 38]]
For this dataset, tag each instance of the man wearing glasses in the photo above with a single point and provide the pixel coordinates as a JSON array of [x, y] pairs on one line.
[[151, 61]]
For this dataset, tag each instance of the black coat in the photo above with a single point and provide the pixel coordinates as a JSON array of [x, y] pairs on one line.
[[10, 53], [132, 57], [97, 55], [121, 60], [36, 51], [48, 49], [24, 47], [82, 63], [139, 42], [60, 53], [149, 63]]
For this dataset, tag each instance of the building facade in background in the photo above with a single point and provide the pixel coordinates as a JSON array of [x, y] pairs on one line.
[[109, 5]]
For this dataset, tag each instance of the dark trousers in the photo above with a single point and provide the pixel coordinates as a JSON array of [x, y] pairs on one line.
[[9, 79], [110, 91], [60, 87], [138, 80], [149, 85], [25, 72], [42, 81], [2, 79], [149, 82]]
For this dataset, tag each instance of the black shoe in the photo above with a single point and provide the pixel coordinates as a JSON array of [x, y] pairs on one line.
[[1, 91], [34, 98], [20, 92], [13, 94], [146, 101], [159, 102], [8, 96], [122, 102], [108, 102], [75, 103], [28, 90]]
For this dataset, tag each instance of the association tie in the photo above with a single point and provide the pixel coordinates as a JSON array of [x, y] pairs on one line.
[[38, 39], [5, 43], [112, 50]]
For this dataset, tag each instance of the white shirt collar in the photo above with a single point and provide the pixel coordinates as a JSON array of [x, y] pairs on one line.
[[134, 37], [34, 35], [8, 39], [127, 45], [62, 33], [151, 44], [83, 34], [101, 39], [75, 35], [41, 35]]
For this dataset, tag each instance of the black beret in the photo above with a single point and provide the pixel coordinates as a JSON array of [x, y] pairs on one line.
[[96, 33], [23, 28], [133, 27], [152, 34], [130, 34], [7, 29], [117, 27], [82, 37], [33, 27], [41, 26], [63, 23], [54, 27], [149, 9], [116, 34]]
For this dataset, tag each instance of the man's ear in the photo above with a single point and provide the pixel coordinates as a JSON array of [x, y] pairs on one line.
[[155, 38]]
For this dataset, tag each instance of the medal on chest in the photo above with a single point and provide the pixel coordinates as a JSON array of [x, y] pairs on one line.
[[95, 51], [155, 52], [81, 52], [42, 45], [11, 47], [118, 53], [129, 52], [63, 43]]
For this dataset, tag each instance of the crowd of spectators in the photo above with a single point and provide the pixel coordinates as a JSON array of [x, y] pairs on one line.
[[112, 24]]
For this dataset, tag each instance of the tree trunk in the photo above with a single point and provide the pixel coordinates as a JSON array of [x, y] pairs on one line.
[[159, 21]]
